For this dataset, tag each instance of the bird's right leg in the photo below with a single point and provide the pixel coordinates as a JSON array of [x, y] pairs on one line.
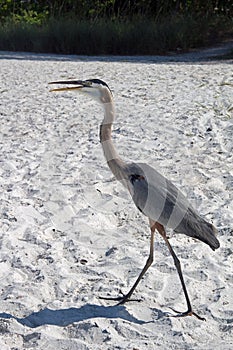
[[126, 297], [189, 311]]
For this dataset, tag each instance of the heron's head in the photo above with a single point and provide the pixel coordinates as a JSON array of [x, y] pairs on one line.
[[95, 88]]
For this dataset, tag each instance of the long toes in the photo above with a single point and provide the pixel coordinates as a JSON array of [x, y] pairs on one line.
[[121, 299], [187, 313], [112, 298], [199, 317]]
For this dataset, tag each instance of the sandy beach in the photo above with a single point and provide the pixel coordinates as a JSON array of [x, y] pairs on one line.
[[70, 232]]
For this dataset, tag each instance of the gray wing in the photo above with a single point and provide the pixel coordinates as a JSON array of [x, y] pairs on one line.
[[160, 200]]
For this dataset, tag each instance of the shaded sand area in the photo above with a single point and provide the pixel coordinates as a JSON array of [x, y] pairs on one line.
[[69, 231]]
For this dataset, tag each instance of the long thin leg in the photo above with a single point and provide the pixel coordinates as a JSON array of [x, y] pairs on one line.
[[189, 311], [149, 261]]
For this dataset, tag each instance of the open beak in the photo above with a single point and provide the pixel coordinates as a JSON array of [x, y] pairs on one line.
[[77, 84]]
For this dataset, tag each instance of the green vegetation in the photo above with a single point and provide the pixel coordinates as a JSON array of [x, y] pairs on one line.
[[115, 27]]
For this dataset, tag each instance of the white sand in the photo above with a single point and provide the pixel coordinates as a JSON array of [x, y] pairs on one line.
[[69, 232]]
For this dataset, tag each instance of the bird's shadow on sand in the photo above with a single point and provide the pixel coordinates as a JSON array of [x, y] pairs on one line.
[[65, 317]]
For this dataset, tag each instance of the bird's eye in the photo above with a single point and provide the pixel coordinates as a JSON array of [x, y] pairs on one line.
[[88, 83]]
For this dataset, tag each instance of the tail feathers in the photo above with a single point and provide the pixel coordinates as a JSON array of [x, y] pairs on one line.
[[200, 229], [208, 235]]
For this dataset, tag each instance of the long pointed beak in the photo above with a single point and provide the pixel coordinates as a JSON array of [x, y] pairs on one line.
[[79, 84]]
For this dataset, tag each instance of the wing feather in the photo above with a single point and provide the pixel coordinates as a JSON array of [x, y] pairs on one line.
[[160, 200]]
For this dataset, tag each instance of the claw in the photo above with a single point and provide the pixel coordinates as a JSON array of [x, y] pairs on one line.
[[121, 299], [186, 313]]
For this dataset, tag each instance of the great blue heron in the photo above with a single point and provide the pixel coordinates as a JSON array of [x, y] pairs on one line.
[[153, 194]]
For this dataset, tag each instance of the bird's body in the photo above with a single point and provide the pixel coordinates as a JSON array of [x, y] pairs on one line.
[[147, 187], [153, 194]]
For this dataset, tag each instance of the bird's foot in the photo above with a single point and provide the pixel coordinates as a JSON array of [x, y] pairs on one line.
[[121, 299], [187, 313]]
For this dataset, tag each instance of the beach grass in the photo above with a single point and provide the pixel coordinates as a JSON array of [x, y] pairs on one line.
[[137, 36]]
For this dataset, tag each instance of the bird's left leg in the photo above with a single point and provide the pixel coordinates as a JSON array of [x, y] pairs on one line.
[[126, 297], [189, 312]]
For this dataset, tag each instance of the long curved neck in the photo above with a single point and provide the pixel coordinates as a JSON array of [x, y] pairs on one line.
[[115, 163]]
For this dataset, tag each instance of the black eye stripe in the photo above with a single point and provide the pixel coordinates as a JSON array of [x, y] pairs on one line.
[[97, 81]]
